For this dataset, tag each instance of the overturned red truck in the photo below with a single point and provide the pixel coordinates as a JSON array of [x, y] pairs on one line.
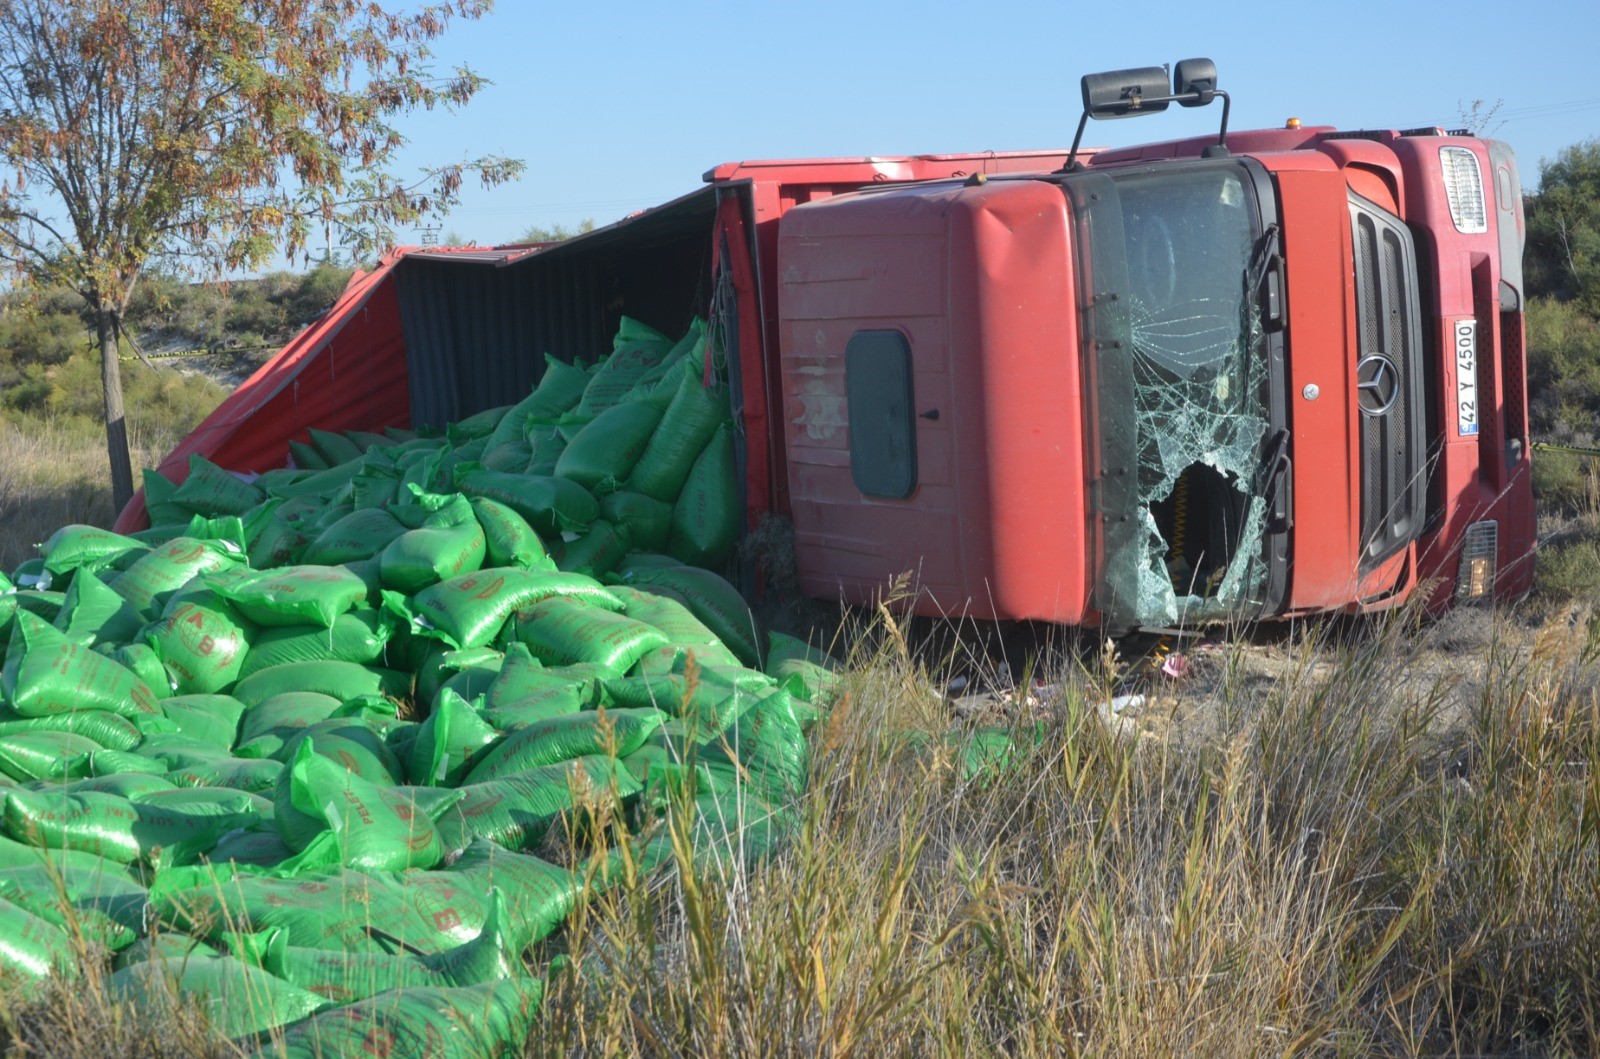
[[1241, 376]]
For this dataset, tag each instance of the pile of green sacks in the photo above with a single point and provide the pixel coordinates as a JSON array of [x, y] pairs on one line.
[[328, 749]]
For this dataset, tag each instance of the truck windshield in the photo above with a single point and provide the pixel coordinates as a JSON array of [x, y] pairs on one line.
[[1169, 263]]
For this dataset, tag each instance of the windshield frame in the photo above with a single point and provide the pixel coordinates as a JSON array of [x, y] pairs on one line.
[[1115, 528]]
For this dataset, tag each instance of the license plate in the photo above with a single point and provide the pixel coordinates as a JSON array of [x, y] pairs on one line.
[[1466, 352]]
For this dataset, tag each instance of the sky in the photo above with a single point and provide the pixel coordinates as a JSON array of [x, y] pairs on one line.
[[616, 106]]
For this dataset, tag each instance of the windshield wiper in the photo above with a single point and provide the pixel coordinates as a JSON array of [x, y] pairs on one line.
[[1273, 484], [1263, 265]]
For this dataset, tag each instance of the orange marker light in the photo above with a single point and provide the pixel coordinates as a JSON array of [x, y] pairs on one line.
[[1292, 123]]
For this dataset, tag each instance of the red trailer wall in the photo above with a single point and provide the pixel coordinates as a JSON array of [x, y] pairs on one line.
[[345, 372]]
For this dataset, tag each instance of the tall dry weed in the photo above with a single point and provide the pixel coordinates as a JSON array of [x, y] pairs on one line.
[[1335, 868]]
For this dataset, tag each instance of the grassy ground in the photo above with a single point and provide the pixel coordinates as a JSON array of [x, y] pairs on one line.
[[51, 477], [1360, 856]]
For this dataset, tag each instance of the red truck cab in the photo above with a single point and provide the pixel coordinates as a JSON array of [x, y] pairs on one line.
[[1272, 374]]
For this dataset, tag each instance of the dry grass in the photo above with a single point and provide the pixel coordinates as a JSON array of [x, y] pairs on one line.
[[51, 478], [1331, 874]]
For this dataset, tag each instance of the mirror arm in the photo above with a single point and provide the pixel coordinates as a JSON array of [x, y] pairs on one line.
[[1220, 148], [1072, 155]]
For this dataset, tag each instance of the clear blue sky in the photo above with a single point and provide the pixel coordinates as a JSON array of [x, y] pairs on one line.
[[617, 106]]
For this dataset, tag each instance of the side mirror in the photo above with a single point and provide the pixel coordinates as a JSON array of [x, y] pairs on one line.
[[1125, 93], [1195, 79], [1144, 90]]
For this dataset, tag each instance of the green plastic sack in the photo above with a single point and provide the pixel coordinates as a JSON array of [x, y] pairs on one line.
[[538, 706], [228, 530], [369, 492], [468, 672], [448, 742], [316, 796], [352, 746], [40, 603], [478, 425], [661, 607], [210, 490], [160, 945], [606, 732], [358, 636], [525, 691], [602, 454], [635, 350], [262, 848], [238, 998], [257, 775], [202, 643], [712, 599], [546, 443], [601, 547], [648, 521], [561, 631], [94, 614], [708, 514], [551, 505], [345, 977], [116, 828], [515, 811], [462, 1022], [468, 611], [124, 784], [422, 557], [154, 577], [33, 949], [110, 764], [78, 546], [334, 448], [306, 457], [659, 386], [158, 490], [688, 426], [709, 702], [100, 908], [105, 728], [508, 539], [46, 673], [211, 719], [806, 672], [361, 534], [320, 485], [296, 595], [421, 911], [142, 661], [765, 748], [342, 680], [281, 716], [44, 755], [559, 390], [281, 541], [511, 456]]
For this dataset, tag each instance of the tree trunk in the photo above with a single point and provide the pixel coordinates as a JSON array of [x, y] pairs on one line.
[[116, 425]]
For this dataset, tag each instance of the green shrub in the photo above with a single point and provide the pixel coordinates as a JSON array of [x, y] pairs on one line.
[[1569, 565], [1565, 482], [1563, 369]]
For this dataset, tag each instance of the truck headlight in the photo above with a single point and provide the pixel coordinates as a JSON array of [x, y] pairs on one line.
[[1475, 581], [1463, 187]]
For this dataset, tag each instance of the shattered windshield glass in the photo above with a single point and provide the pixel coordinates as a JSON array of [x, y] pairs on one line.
[[1179, 385]]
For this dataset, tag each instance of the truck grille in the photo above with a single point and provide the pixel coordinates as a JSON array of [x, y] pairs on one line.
[[1388, 382]]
